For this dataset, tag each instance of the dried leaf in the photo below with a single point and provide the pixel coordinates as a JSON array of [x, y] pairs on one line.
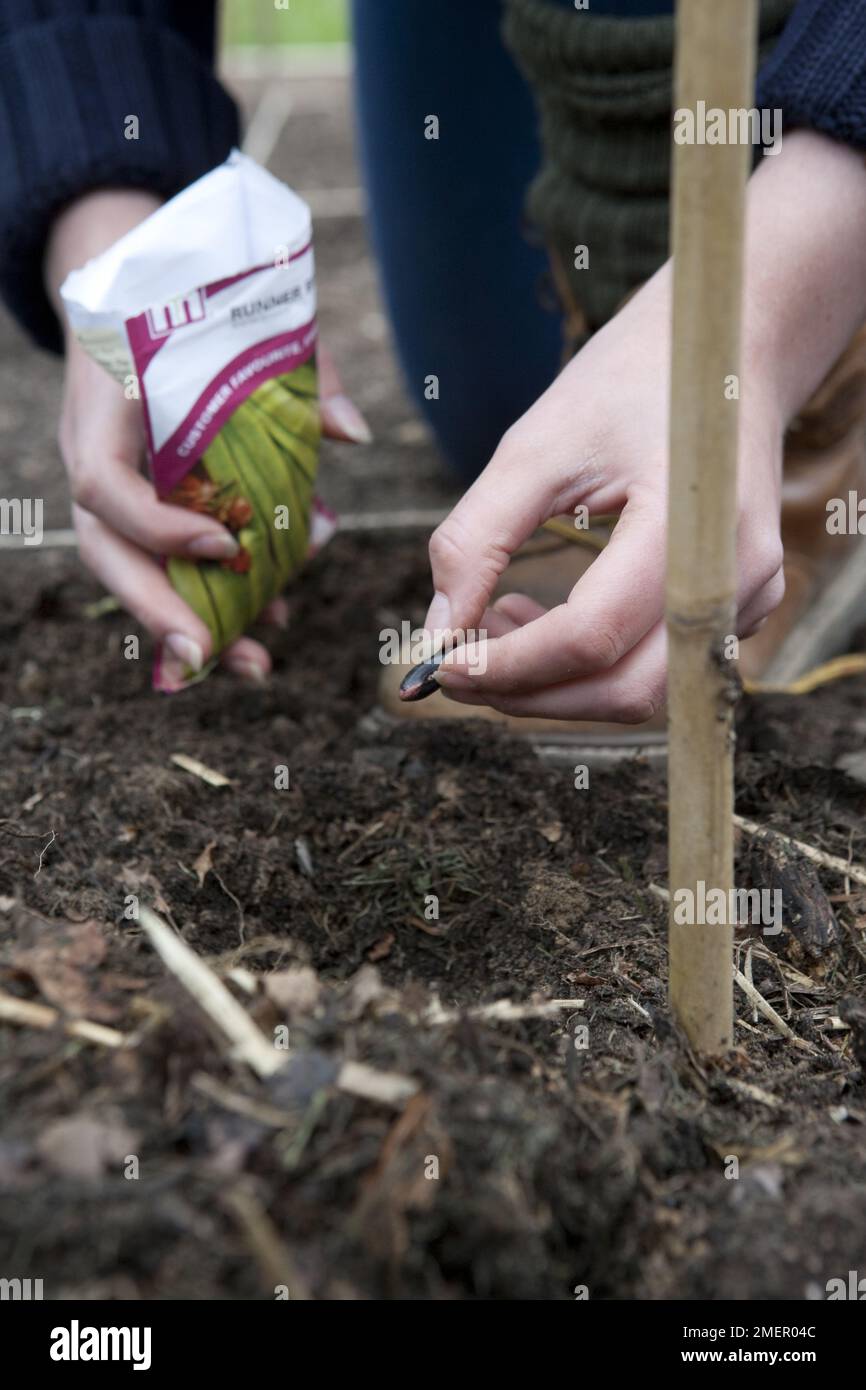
[[139, 880], [382, 947], [204, 863], [59, 959], [430, 928]]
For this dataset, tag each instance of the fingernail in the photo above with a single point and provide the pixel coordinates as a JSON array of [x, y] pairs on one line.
[[187, 652], [214, 545], [438, 620], [348, 419], [249, 671]]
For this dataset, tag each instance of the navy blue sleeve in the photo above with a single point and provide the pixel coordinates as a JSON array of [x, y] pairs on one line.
[[72, 73], [816, 74]]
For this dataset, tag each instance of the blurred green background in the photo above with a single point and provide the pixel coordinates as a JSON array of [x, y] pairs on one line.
[[305, 21]]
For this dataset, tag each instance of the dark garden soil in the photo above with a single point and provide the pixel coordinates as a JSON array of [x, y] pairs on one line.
[[558, 1165]]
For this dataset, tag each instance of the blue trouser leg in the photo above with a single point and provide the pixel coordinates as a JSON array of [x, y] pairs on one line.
[[460, 279]]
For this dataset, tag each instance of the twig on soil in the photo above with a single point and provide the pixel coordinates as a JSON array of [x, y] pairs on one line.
[[240, 1104], [853, 935], [755, 1093], [502, 1011], [291, 1153], [10, 828], [769, 1013], [229, 894], [27, 1015], [630, 999], [749, 1027], [356, 844], [277, 1266], [357, 1079], [817, 856], [793, 978], [258, 946], [42, 853], [757, 1000], [200, 770], [354, 1079], [751, 979], [623, 945], [249, 1044]]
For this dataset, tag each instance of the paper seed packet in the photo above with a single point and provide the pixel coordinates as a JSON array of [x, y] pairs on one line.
[[207, 312]]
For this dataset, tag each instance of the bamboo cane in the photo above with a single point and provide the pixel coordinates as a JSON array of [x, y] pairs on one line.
[[715, 65]]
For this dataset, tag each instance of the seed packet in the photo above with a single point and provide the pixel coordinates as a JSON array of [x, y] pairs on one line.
[[206, 311]]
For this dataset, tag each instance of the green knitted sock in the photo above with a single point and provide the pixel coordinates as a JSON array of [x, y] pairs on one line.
[[604, 93]]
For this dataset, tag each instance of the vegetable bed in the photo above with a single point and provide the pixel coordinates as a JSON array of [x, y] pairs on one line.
[[546, 1147]]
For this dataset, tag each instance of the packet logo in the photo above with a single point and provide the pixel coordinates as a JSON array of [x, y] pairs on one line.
[[163, 319]]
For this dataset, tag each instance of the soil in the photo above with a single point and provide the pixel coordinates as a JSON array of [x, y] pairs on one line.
[[559, 1165], [164, 1169]]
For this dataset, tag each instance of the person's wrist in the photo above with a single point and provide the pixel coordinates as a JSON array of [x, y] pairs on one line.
[[87, 227], [805, 273]]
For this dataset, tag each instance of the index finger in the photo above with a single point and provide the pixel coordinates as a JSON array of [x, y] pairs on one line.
[[125, 501], [473, 545], [613, 606]]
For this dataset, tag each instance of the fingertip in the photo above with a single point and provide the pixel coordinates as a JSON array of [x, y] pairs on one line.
[[341, 419], [276, 612], [249, 671], [184, 650], [249, 660], [213, 545]]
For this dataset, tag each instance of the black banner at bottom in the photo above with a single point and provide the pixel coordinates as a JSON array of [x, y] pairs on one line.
[[81, 1339]]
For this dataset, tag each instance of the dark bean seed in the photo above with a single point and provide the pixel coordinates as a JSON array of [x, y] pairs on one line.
[[420, 682]]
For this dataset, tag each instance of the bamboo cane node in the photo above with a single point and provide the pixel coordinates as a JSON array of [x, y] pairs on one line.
[[712, 618]]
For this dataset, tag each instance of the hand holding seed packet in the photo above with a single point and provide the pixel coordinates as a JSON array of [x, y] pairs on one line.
[[207, 312]]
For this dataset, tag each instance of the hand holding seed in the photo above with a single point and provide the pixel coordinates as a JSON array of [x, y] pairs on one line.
[[599, 437]]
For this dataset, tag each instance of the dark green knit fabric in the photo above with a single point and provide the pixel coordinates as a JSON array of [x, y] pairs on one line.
[[604, 89]]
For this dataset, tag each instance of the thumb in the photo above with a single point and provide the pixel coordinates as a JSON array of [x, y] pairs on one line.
[[341, 418]]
